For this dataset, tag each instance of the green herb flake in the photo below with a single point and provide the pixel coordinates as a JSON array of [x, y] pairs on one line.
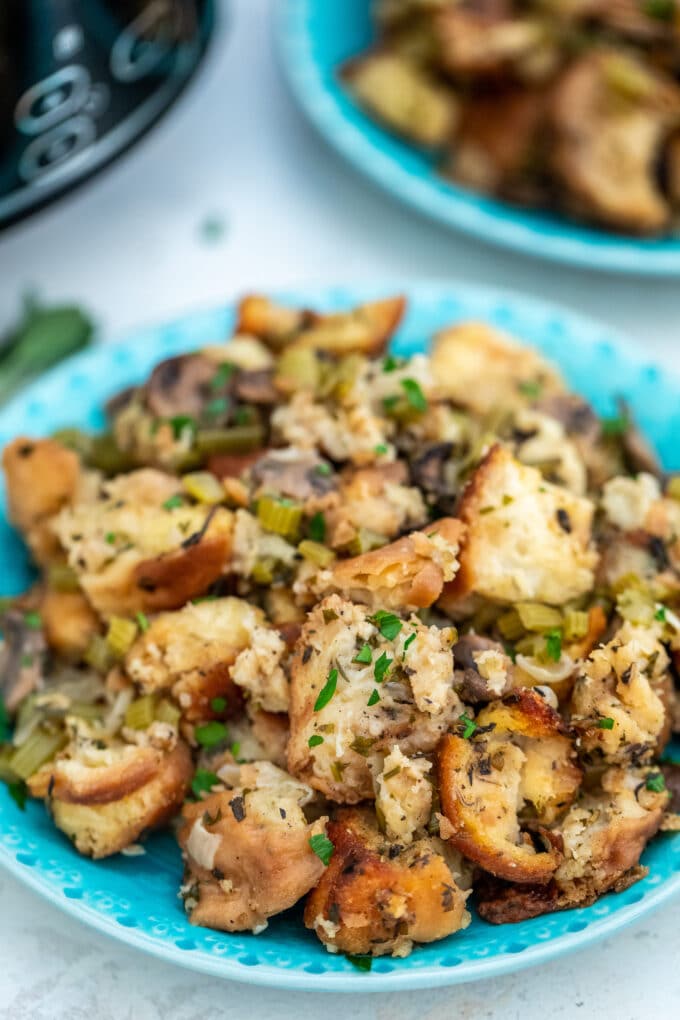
[[317, 527], [215, 408], [210, 734], [26, 661], [414, 395], [364, 656], [180, 422], [531, 388], [389, 403], [381, 668], [374, 698], [235, 750], [390, 363], [655, 782], [469, 726], [605, 724], [110, 537], [612, 428], [409, 641], [660, 10], [660, 614], [218, 704], [244, 415], [5, 729], [173, 502], [322, 847], [222, 376], [388, 624], [327, 691], [361, 962], [33, 620], [142, 621], [203, 782], [18, 793], [323, 469], [553, 645], [315, 740], [380, 449]]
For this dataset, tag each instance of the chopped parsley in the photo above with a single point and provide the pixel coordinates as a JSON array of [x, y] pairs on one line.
[[235, 750], [389, 403], [203, 782], [110, 537], [364, 656], [553, 645], [33, 620], [181, 422], [414, 395], [214, 408], [315, 740], [218, 704], [323, 469], [388, 624], [381, 668], [469, 726], [317, 527], [380, 449], [409, 641], [374, 698], [660, 10], [660, 614], [5, 731], [173, 502], [17, 792], [322, 847], [142, 621], [211, 733], [361, 962], [327, 691], [243, 415], [531, 388], [222, 376], [390, 363], [655, 782], [613, 427], [605, 724]]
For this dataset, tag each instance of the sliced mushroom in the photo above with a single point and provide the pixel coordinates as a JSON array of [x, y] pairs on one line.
[[22, 659], [476, 681], [380, 897], [297, 474], [492, 44], [180, 386], [611, 115]]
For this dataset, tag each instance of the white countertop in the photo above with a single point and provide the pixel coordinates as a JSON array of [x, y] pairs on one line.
[[131, 245]]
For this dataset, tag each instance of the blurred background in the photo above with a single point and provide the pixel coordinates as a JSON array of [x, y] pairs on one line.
[[232, 190]]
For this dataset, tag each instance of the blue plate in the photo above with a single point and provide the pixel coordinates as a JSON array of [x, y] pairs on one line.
[[135, 899], [315, 38]]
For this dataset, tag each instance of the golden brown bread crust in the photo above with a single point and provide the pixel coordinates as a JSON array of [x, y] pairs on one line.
[[376, 897], [407, 574], [171, 580], [105, 809], [69, 622], [42, 476]]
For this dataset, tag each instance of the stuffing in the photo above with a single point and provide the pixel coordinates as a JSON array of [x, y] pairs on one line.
[[516, 753], [627, 502], [406, 98], [253, 545], [603, 836], [42, 476], [248, 848], [513, 375], [542, 442], [105, 798], [403, 795], [483, 670], [69, 622], [356, 692], [137, 546], [526, 539], [259, 672], [377, 496], [618, 701], [379, 897], [407, 574], [343, 433], [195, 653]]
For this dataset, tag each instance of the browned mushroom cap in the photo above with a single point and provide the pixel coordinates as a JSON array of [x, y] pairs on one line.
[[671, 772], [610, 116], [498, 147], [480, 791], [180, 385], [378, 897], [298, 474], [469, 682], [22, 657]]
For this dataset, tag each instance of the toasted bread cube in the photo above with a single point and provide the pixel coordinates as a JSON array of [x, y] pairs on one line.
[[527, 540], [481, 369]]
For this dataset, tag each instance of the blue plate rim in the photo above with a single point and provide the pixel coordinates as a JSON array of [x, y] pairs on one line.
[[264, 974], [615, 254]]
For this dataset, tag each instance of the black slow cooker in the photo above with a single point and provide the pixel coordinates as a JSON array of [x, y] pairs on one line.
[[80, 80]]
